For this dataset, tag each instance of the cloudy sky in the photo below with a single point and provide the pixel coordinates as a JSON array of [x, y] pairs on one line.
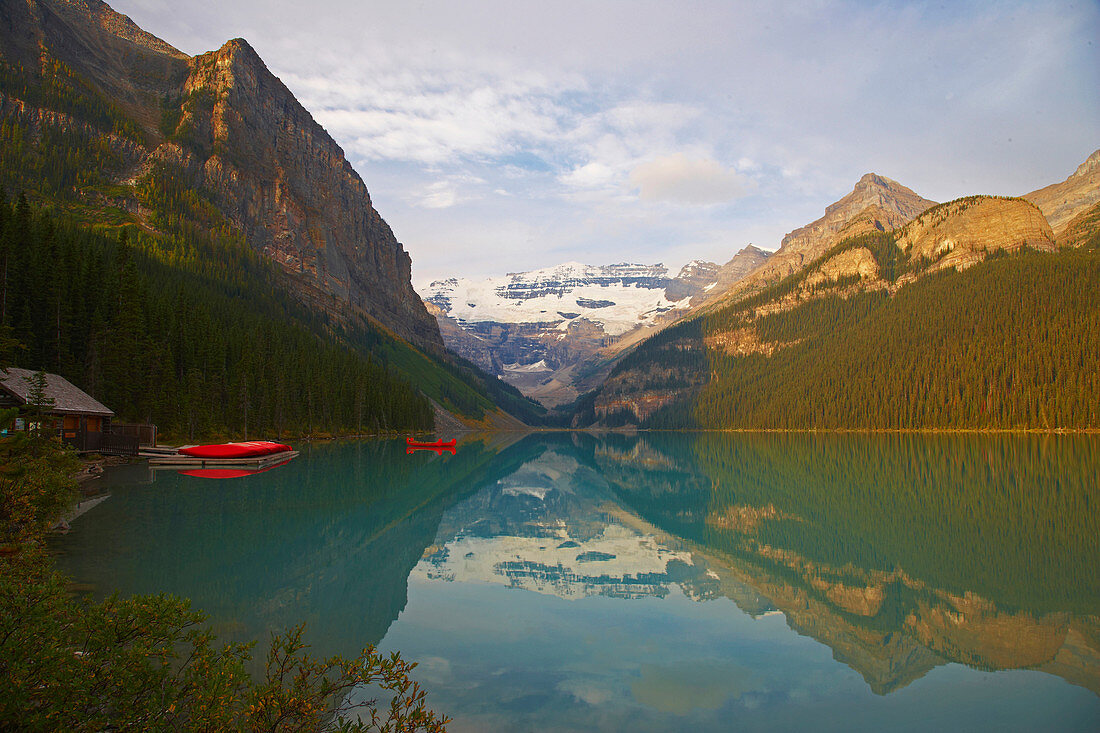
[[500, 136]]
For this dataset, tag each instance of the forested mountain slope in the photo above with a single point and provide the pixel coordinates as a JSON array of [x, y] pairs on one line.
[[206, 346], [965, 318]]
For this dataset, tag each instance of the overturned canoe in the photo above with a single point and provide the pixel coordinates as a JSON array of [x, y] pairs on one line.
[[248, 449]]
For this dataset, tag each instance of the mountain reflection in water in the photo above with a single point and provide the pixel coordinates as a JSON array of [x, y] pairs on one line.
[[578, 582]]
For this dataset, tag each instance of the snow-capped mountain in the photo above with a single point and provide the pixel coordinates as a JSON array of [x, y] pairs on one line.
[[615, 297], [553, 332]]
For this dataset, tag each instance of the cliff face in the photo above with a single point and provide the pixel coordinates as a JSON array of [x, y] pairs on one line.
[[697, 276], [963, 232], [1062, 202], [278, 176], [226, 128]]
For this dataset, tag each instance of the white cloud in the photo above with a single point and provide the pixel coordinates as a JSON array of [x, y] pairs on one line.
[[589, 175], [440, 195], [686, 180], [419, 123], [449, 191]]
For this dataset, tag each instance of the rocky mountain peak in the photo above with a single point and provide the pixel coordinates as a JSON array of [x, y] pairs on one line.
[[237, 57], [872, 190], [105, 17], [875, 202], [748, 253], [869, 180], [297, 197], [1062, 202], [748, 259], [241, 46], [1091, 163], [696, 269]]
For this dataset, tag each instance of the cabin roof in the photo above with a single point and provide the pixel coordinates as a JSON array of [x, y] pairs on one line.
[[67, 398]]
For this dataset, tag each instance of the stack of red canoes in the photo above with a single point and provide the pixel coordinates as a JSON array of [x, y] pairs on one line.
[[248, 449]]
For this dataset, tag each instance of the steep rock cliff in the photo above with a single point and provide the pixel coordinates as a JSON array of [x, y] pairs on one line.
[[279, 177], [223, 127], [963, 232]]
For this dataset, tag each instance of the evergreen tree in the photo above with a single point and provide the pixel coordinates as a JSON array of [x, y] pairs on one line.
[[39, 404]]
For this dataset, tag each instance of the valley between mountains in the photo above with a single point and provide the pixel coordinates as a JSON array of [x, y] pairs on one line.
[[190, 244]]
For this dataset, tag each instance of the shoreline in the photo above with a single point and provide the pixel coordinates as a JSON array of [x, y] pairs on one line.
[[634, 431]]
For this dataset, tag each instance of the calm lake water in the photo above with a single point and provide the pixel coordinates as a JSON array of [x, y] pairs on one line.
[[658, 582]]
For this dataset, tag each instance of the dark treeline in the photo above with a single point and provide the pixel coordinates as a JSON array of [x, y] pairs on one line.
[[199, 345]]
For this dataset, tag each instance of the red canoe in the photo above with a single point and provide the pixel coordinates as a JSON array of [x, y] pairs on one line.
[[437, 444], [248, 449]]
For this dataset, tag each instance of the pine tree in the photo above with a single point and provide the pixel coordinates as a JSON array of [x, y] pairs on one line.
[[39, 403]]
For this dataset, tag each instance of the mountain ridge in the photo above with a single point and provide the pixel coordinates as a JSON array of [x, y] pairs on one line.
[[212, 168]]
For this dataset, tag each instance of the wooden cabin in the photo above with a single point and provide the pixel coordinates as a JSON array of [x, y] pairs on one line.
[[73, 412]]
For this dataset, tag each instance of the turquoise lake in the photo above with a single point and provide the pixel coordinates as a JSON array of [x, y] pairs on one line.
[[664, 582]]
